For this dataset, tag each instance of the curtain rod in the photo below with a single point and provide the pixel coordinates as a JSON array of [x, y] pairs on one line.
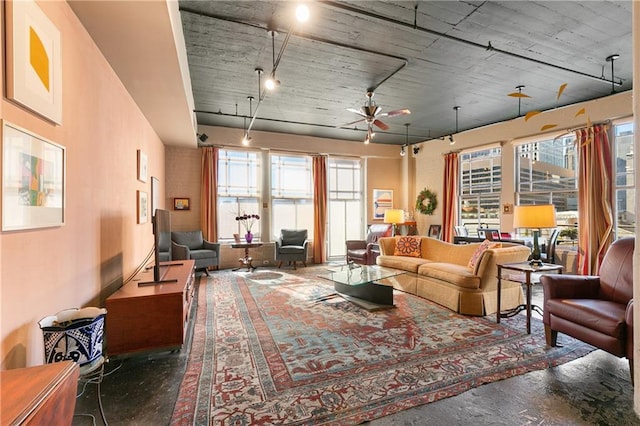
[[569, 131]]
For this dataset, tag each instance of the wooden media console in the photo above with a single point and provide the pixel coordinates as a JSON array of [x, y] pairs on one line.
[[143, 316]]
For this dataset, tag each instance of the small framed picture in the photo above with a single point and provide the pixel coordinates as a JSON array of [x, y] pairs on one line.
[[142, 207], [434, 231], [181, 204], [142, 166]]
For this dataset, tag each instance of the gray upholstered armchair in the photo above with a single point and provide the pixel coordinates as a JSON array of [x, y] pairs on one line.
[[191, 245], [164, 247], [292, 246]]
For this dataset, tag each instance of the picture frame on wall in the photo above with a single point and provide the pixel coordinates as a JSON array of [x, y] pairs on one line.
[[382, 200], [33, 180], [142, 207], [143, 166], [181, 203], [34, 65]]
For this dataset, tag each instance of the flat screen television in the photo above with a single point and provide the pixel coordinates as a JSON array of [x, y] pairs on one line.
[[162, 244]]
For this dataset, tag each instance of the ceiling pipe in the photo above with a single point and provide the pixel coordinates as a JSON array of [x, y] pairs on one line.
[[488, 46]]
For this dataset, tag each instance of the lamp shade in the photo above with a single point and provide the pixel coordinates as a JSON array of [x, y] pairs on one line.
[[534, 216], [394, 216]]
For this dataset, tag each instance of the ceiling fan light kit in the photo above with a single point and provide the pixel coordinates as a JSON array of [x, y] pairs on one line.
[[370, 113]]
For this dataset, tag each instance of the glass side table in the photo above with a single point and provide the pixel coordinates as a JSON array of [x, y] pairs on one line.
[[524, 272]]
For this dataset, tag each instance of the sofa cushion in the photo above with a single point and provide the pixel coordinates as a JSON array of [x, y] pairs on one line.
[[406, 263], [477, 255], [408, 246], [458, 275]]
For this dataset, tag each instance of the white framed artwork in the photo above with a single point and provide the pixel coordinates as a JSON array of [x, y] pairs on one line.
[[34, 60]]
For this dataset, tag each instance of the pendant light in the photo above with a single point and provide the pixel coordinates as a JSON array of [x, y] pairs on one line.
[[612, 58], [451, 140]]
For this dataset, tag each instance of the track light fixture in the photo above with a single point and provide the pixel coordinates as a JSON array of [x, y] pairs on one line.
[[272, 82], [451, 140], [612, 58], [416, 150], [202, 137], [403, 150]]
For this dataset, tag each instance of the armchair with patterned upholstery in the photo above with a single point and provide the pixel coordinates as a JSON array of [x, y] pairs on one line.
[[366, 251], [187, 245], [595, 309], [292, 246]]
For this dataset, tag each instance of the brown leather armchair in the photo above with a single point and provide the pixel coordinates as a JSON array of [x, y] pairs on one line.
[[595, 309], [366, 251]]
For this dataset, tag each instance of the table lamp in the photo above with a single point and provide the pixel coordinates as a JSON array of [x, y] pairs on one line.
[[535, 217], [394, 217]]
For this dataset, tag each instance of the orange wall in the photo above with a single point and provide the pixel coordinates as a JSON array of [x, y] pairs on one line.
[[83, 261]]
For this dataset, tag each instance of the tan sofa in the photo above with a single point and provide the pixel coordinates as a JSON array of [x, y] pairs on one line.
[[441, 274]]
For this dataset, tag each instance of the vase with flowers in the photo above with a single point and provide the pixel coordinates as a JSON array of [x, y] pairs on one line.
[[247, 220]]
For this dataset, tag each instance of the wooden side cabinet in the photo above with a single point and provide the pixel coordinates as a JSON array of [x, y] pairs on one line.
[[151, 317], [41, 395]]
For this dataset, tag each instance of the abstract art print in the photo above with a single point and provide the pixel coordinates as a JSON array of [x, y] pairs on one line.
[[34, 65], [382, 200], [33, 180]]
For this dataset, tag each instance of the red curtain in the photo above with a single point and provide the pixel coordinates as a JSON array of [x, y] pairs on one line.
[[209, 193], [319, 207], [595, 198], [450, 196]]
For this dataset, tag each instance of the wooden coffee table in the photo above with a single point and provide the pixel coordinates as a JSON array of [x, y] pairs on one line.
[[364, 285]]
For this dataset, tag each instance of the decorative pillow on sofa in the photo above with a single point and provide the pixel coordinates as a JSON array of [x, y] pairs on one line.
[[408, 246], [477, 255]]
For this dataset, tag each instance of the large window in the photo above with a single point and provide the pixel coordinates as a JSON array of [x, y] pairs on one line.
[[345, 204], [238, 190], [624, 183], [291, 193], [546, 173], [480, 187]]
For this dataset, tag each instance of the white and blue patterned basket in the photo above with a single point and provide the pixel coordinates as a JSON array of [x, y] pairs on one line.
[[74, 334]]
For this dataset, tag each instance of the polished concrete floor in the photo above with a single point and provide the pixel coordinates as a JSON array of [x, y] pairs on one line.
[[593, 390]]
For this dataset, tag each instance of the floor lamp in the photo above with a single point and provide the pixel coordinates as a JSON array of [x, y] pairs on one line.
[[394, 217], [534, 217]]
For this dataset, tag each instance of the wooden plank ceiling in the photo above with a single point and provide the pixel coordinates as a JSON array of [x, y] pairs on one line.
[[427, 56]]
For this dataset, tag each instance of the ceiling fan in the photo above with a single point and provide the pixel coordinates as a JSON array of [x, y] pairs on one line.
[[370, 113]]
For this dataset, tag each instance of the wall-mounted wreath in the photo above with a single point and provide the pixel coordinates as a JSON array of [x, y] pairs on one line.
[[426, 202]]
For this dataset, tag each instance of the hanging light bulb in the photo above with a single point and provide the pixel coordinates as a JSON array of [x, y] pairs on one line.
[[403, 150], [246, 139]]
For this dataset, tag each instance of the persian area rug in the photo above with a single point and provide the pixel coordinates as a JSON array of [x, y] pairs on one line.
[[271, 347]]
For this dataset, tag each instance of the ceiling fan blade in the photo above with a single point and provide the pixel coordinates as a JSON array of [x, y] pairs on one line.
[[396, 113], [380, 124], [360, 113], [353, 122]]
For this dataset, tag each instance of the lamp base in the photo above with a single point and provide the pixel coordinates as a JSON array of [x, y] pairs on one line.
[[536, 263]]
